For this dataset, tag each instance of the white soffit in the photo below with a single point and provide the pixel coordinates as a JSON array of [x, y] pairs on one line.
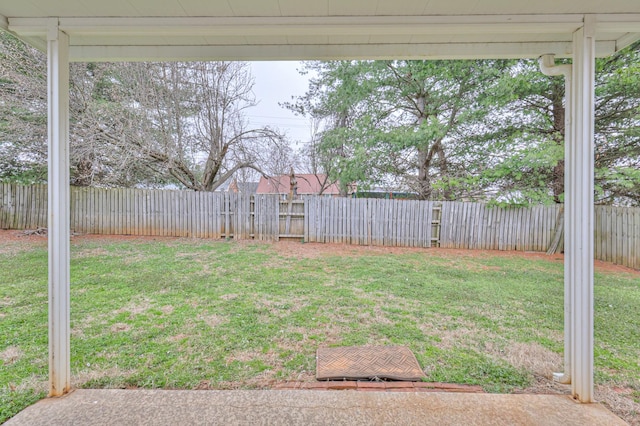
[[321, 29]]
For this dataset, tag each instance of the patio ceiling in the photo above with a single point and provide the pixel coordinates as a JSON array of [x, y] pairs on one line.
[[113, 30]]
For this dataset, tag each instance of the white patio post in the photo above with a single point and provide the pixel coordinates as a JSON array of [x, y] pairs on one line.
[[58, 209], [580, 202]]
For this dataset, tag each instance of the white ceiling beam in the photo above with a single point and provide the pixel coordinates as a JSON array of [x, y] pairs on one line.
[[628, 23], [37, 42], [330, 52], [618, 27], [353, 25], [618, 23], [627, 40]]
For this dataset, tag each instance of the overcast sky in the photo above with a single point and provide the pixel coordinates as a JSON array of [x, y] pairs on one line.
[[276, 82]]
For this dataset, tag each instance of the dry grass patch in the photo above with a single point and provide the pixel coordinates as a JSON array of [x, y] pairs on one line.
[[11, 354], [555, 335], [230, 296], [213, 320], [32, 383], [80, 378], [532, 357], [132, 259], [178, 337], [375, 315], [135, 308], [451, 333], [5, 302], [167, 309], [280, 308], [90, 252], [391, 300], [120, 327], [251, 355], [621, 402], [545, 386]]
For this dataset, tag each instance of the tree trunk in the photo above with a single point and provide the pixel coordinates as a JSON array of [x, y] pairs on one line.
[[558, 111], [424, 157]]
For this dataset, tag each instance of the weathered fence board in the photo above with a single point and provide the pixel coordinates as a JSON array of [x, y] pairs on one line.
[[475, 225], [368, 221], [360, 221]]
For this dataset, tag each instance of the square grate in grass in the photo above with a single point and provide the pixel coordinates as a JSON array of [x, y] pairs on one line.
[[367, 363]]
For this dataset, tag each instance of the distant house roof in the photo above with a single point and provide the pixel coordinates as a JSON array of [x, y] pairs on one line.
[[224, 187], [306, 184], [243, 187]]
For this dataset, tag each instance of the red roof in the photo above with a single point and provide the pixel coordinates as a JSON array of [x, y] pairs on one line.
[[306, 184]]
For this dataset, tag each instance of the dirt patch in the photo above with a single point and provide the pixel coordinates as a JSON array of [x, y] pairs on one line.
[[12, 236], [77, 332], [167, 309], [120, 327], [135, 308], [229, 296], [11, 354], [178, 337], [213, 320], [12, 242]]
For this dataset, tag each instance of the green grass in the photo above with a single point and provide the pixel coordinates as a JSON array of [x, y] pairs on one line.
[[177, 313]]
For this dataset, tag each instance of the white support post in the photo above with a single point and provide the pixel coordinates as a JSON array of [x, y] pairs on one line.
[[58, 209], [580, 202], [548, 67]]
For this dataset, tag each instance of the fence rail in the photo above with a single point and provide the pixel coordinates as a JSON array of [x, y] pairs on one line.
[[406, 223]]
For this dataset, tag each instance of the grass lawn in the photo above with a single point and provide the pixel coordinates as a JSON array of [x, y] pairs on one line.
[[198, 314]]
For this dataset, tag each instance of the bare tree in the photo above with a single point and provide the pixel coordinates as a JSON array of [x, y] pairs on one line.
[[187, 121], [137, 123], [23, 106]]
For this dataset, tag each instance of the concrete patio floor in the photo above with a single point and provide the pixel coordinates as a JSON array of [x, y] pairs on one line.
[[307, 407]]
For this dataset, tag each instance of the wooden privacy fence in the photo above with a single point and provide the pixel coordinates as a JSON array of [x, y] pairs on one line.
[[148, 212], [406, 223], [479, 226], [370, 221]]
